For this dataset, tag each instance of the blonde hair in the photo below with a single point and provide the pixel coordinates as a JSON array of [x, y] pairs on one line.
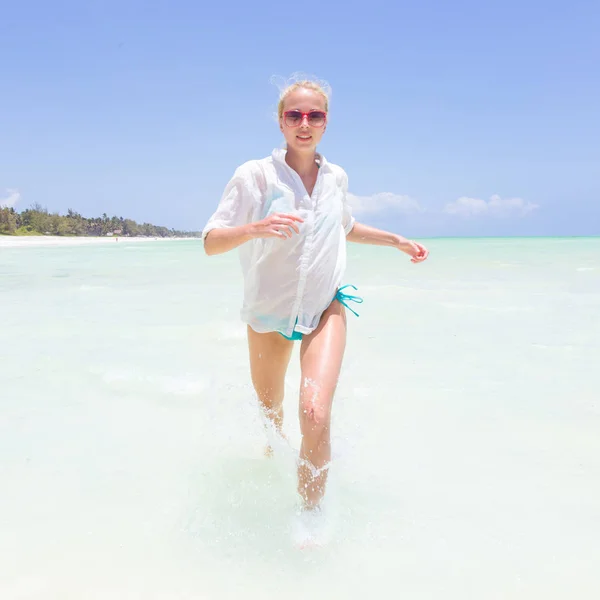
[[301, 81]]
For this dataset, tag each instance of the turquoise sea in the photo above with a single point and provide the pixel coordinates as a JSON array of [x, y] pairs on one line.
[[466, 428]]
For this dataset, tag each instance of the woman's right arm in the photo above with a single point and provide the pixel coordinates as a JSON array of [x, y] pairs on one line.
[[224, 239]]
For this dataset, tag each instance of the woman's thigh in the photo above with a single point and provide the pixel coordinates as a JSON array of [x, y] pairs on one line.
[[269, 358], [321, 356]]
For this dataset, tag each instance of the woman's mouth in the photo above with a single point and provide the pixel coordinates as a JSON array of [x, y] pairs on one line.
[[304, 137]]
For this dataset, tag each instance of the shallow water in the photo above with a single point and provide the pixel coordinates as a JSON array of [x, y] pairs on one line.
[[465, 430]]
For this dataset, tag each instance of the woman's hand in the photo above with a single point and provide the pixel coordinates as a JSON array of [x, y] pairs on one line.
[[416, 251], [276, 225]]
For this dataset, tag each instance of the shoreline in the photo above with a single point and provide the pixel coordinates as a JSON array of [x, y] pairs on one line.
[[16, 241]]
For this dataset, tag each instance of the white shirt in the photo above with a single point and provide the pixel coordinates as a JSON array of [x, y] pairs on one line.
[[294, 278]]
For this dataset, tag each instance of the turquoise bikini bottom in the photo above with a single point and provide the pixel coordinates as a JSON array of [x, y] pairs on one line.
[[341, 298]]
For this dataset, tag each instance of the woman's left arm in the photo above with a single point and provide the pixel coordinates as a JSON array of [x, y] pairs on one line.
[[364, 234]]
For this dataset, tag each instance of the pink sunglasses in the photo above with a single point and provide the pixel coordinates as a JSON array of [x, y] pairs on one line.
[[315, 118]]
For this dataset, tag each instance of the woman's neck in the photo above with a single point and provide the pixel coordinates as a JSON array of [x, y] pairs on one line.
[[302, 163]]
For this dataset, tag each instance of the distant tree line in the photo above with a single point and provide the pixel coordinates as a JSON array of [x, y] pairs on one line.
[[38, 221]]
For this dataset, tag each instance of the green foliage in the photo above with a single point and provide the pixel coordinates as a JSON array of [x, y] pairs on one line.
[[8, 220], [38, 221], [26, 231]]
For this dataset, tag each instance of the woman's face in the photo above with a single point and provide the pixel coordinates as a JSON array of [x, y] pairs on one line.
[[305, 136]]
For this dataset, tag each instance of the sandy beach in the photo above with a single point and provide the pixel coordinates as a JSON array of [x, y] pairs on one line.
[[9, 241]]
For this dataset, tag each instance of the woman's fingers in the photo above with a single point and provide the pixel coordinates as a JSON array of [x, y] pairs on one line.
[[289, 223], [421, 253], [280, 231], [418, 253]]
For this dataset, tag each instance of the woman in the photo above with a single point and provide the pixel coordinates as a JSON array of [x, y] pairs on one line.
[[289, 215]]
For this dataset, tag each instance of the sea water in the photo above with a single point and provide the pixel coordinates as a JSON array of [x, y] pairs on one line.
[[466, 428]]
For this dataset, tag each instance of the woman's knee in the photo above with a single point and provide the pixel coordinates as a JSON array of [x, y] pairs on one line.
[[315, 415]]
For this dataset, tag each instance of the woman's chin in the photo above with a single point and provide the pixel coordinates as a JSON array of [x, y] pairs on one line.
[[302, 147]]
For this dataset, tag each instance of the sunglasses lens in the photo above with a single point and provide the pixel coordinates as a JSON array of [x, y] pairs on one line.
[[316, 118], [293, 118]]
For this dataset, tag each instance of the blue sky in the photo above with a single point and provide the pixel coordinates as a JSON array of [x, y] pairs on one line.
[[451, 118]]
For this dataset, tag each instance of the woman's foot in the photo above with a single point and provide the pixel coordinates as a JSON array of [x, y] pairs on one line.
[[310, 528]]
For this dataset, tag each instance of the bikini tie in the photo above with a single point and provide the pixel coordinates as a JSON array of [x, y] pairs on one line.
[[345, 298]]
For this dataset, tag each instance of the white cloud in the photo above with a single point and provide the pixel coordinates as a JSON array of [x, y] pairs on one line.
[[384, 201], [13, 197], [494, 207]]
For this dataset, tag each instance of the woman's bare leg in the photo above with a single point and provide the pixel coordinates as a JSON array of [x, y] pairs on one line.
[[321, 357], [269, 358]]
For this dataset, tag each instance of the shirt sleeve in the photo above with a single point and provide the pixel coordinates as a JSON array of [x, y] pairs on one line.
[[347, 219], [237, 202]]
